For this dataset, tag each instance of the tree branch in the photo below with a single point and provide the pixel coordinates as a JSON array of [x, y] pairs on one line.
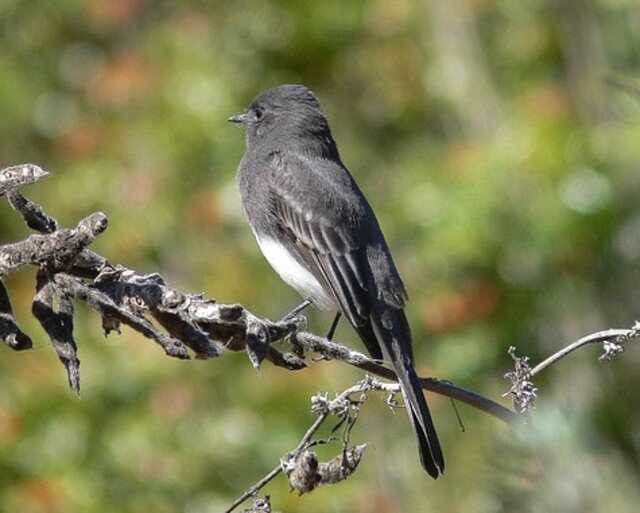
[[57, 321], [301, 465], [55, 251], [332, 351], [10, 332], [16, 176], [33, 214], [524, 393], [613, 340]]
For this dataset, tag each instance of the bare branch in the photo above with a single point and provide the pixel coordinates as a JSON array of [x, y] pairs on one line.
[[523, 392], [10, 332], [253, 490], [301, 465], [331, 350], [55, 251], [17, 176], [33, 214], [111, 312], [58, 323], [287, 361], [169, 307], [616, 336]]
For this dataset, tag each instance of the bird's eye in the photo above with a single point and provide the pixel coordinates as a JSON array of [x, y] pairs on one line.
[[258, 112]]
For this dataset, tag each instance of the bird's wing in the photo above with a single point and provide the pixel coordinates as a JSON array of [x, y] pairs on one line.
[[318, 206], [325, 228]]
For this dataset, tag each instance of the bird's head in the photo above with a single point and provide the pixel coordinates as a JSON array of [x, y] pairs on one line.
[[288, 113]]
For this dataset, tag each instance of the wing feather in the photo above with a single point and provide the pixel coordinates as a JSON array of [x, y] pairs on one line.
[[328, 246]]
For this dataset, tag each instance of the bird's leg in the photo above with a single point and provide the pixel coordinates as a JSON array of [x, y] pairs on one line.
[[297, 348], [332, 331], [296, 310], [334, 326]]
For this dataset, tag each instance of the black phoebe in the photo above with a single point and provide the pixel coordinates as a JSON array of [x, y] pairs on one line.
[[318, 232]]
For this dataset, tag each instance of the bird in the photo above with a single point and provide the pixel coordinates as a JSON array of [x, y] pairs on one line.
[[319, 233]]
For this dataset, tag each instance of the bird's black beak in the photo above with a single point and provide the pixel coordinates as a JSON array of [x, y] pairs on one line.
[[238, 118]]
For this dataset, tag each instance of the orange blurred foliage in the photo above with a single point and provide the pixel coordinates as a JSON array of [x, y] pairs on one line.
[[114, 12], [474, 301], [121, 81], [202, 209]]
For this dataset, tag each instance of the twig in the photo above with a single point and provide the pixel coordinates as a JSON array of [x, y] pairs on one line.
[[617, 335], [255, 488], [17, 176], [334, 351], [58, 323], [278, 469], [10, 332], [323, 407], [33, 214], [111, 311], [523, 391], [55, 251]]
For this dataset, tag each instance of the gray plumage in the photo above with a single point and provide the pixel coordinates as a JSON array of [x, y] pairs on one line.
[[317, 230]]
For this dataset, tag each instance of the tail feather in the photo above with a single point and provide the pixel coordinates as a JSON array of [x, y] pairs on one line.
[[392, 333], [431, 455]]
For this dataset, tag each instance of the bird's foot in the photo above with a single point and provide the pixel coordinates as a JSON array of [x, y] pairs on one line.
[[294, 313]]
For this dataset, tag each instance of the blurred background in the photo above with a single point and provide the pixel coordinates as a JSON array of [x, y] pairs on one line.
[[498, 142]]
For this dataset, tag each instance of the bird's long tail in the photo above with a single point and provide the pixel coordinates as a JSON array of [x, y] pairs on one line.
[[391, 332]]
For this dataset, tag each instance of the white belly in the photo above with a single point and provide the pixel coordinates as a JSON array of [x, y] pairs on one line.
[[294, 274]]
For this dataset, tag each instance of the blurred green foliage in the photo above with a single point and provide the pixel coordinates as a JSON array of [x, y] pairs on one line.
[[503, 163]]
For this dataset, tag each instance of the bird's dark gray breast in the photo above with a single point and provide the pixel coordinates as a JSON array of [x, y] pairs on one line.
[[254, 176]]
